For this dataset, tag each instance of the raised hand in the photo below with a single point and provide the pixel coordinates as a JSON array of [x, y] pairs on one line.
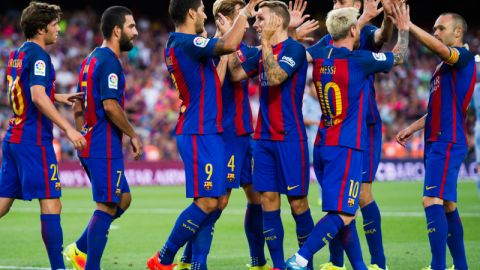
[[401, 16], [296, 13], [305, 29], [249, 9], [272, 25], [223, 24], [371, 9]]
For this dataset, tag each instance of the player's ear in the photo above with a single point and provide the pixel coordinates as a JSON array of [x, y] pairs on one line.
[[458, 32], [117, 31], [357, 4], [353, 30], [192, 14]]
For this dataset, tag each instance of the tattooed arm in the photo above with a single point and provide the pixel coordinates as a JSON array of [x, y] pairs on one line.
[[401, 15], [275, 74]]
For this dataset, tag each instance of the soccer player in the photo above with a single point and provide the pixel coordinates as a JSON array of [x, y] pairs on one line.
[[451, 90], [476, 106], [103, 122], [200, 122], [340, 75], [280, 154], [237, 127], [29, 166], [371, 39]]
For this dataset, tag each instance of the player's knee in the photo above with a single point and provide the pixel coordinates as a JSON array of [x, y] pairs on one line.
[[270, 201], [50, 206], [449, 206], [223, 202], [253, 197], [429, 201], [4, 210], [208, 205], [365, 198], [347, 219], [109, 208], [298, 206], [125, 201]]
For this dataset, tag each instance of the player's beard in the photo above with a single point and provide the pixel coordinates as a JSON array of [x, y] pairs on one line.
[[199, 26], [126, 44]]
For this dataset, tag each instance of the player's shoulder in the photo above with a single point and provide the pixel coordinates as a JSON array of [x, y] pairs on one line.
[[466, 52], [368, 29], [34, 51], [290, 42]]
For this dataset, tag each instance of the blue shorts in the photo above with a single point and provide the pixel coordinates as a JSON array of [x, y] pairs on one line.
[[29, 172], [371, 154], [442, 164], [204, 160], [281, 166], [107, 176], [238, 154], [339, 172]]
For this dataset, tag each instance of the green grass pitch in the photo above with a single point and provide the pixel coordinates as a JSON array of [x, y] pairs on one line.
[[146, 225]]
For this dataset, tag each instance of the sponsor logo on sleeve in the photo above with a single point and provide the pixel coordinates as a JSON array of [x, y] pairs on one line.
[[201, 42], [379, 56], [113, 81], [40, 68], [288, 60]]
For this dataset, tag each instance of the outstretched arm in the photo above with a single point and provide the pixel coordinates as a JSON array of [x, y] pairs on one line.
[[401, 19], [429, 41]]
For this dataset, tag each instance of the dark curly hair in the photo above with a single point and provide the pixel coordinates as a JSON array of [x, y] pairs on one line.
[[38, 16]]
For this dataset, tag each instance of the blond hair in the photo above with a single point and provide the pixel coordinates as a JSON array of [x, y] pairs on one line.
[[280, 9], [339, 21], [226, 7]]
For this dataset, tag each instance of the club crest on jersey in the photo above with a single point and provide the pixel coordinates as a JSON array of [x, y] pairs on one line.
[[113, 81], [207, 185], [288, 60], [379, 56], [39, 68], [201, 42]]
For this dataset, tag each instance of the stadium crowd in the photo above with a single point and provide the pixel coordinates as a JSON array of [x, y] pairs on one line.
[[152, 102]]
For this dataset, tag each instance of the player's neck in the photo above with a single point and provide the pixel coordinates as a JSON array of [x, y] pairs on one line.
[[38, 41], [345, 43], [279, 37], [186, 29], [114, 46]]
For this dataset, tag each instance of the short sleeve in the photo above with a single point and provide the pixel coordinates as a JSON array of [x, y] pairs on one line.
[[459, 57], [40, 68], [199, 47], [372, 62], [109, 80], [292, 59], [251, 64], [367, 38]]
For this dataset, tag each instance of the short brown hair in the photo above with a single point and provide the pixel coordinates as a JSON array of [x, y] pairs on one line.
[[458, 21], [279, 8], [38, 16], [226, 7]]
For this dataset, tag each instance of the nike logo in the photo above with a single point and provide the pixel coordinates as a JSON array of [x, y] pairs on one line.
[[191, 223], [303, 237], [364, 172], [267, 231], [294, 187], [430, 222], [364, 225], [430, 187], [76, 253]]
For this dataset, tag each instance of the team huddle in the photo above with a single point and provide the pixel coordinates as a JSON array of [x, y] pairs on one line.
[[220, 148]]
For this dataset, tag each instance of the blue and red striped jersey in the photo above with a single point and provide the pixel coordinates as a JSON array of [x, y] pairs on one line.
[[341, 78], [280, 116], [101, 77], [237, 113], [451, 90], [190, 62], [27, 66], [367, 43]]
